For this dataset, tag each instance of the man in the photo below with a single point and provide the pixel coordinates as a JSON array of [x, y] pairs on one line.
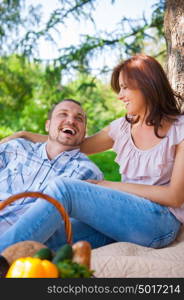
[[27, 166]]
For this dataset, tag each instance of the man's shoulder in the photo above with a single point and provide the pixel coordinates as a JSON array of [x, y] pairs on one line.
[[22, 144]]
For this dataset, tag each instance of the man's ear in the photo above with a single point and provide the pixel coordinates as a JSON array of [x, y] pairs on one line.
[[84, 136], [47, 125]]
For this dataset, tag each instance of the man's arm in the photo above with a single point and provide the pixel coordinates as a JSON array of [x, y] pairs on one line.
[[6, 152], [84, 169], [93, 172], [33, 137]]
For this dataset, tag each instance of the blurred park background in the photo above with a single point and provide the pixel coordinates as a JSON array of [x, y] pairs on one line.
[[51, 50]]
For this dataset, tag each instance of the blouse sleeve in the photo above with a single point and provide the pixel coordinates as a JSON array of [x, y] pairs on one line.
[[116, 128]]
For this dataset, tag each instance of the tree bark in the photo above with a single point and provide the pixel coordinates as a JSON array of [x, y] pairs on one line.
[[174, 34]]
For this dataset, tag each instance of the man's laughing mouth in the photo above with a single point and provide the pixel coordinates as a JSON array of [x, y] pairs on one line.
[[68, 130]]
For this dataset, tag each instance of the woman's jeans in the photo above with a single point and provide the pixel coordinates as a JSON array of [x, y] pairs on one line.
[[98, 215]]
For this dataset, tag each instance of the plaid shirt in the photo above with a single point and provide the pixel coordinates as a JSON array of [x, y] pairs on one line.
[[24, 166]]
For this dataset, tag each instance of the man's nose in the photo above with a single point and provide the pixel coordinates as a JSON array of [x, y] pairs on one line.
[[70, 120]]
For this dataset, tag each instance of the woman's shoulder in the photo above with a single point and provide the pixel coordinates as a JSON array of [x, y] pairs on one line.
[[179, 120], [119, 123], [118, 126], [176, 134]]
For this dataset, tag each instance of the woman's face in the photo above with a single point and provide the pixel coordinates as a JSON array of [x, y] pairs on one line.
[[133, 99]]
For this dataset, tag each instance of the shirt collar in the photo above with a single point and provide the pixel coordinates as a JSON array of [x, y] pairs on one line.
[[43, 153]]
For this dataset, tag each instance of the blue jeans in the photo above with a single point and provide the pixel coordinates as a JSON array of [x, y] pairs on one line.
[[99, 215]]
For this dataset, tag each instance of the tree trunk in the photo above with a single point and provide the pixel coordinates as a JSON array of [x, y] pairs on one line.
[[174, 34]]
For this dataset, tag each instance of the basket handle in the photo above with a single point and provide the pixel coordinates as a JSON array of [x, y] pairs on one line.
[[58, 205]]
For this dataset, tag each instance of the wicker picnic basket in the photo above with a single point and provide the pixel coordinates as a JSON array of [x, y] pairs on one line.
[[80, 246], [46, 197]]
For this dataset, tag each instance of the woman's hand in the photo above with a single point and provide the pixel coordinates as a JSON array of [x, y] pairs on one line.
[[31, 136], [15, 135], [104, 183], [93, 181]]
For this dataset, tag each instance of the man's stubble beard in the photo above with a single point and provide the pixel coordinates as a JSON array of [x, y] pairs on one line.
[[64, 142]]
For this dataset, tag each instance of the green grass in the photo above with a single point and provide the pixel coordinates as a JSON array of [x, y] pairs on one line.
[[105, 161]]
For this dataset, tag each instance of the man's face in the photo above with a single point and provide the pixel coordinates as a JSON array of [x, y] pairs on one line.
[[67, 125]]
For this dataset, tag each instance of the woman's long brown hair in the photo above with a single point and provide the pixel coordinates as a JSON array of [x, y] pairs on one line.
[[146, 73]]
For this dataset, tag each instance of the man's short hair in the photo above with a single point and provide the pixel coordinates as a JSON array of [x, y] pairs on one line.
[[64, 100]]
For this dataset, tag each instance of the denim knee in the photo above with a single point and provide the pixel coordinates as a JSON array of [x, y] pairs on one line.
[[56, 188], [165, 239]]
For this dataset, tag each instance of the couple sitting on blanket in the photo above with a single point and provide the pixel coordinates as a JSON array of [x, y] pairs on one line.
[[146, 208]]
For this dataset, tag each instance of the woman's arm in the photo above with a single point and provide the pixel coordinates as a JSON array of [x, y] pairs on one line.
[[34, 137], [98, 142], [171, 195]]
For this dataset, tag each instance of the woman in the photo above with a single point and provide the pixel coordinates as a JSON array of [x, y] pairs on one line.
[[146, 208]]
